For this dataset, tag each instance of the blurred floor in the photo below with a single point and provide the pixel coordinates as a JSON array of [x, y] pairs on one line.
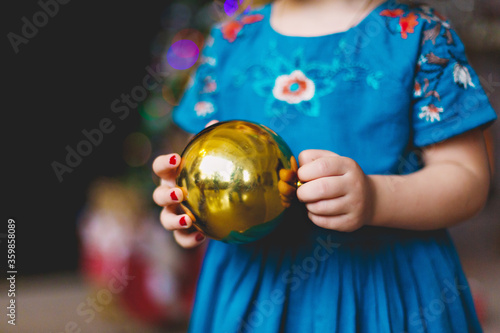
[[49, 304]]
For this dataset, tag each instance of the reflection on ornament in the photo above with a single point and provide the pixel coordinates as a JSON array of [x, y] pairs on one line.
[[238, 177]]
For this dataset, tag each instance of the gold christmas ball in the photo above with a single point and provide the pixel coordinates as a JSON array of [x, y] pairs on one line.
[[237, 178]]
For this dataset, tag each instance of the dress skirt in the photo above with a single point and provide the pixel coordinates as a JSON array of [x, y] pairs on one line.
[[302, 278]]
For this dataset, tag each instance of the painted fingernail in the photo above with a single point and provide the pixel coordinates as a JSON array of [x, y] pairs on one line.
[[173, 160], [199, 237], [182, 221], [173, 196]]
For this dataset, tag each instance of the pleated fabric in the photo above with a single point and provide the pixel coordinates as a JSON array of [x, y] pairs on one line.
[[315, 280]]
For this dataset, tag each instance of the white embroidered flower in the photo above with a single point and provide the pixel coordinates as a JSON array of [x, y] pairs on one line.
[[461, 76], [203, 108], [209, 41], [293, 88], [208, 60], [210, 85], [422, 59], [430, 113]]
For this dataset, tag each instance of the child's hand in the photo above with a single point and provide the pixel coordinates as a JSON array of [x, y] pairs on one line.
[[169, 196], [337, 194]]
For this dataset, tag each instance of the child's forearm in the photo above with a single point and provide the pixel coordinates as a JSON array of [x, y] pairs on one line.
[[437, 196], [452, 187]]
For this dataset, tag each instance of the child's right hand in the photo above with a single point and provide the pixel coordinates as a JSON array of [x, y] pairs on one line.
[[169, 196]]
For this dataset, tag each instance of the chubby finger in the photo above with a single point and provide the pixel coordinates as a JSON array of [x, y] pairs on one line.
[[322, 167], [188, 239], [331, 207], [172, 221], [343, 222], [321, 189], [165, 166], [165, 195], [310, 155]]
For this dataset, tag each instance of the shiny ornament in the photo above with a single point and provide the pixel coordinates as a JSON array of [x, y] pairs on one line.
[[238, 178]]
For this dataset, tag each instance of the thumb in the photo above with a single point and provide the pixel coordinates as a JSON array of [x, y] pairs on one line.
[[309, 155]]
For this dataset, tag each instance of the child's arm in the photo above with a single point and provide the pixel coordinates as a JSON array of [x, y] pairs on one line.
[[452, 187]]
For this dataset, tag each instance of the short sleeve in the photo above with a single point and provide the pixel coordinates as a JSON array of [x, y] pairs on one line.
[[448, 97], [198, 104]]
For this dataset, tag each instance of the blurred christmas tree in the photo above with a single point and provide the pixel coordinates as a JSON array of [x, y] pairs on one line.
[[120, 232]]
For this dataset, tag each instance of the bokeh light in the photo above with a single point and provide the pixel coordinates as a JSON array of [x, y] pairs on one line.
[[183, 54], [168, 95], [155, 107], [231, 6], [136, 149]]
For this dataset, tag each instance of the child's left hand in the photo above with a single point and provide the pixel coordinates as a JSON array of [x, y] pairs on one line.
[[337, 193]]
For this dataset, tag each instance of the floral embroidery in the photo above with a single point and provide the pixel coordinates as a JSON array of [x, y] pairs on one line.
[[431, 58], [293, 88], [433, 16], [209, 42], [430, 113], [252, 18], [461, 76], [204, 108], [417, 90], [231, 29], [210, 85], [208, 60], [407, 23], [392, 12], [290, 83]]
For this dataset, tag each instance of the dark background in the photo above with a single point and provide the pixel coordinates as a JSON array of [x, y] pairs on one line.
[[60, 83]]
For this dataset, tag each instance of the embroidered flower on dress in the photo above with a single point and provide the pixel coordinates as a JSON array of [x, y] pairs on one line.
[[210, 85], [203, 108], [252, 18], [430, 113], [417, 90], [392, 13], [406, 23], [209, 42], [305, 82], [293, 88], [208, 60], [461, 76], [231, 29]]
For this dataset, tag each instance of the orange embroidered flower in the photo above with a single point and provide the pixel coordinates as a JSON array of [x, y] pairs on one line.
[[231, 29], [252, 18], [408, 24], [293, 88], [392, 12]]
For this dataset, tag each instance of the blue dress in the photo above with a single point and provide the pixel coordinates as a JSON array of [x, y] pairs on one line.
[[376, 93]]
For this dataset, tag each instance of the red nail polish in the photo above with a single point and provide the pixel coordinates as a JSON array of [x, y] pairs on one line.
[[182, 221], [173, 160], [199, 237], [173, 196]]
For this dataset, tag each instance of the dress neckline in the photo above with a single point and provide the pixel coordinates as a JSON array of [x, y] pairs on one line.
[[269, 7]]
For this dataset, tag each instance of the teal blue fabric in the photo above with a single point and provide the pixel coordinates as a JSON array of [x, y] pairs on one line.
[[377, 93]]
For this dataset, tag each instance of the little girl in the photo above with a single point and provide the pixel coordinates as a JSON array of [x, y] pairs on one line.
[[378, 102]]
